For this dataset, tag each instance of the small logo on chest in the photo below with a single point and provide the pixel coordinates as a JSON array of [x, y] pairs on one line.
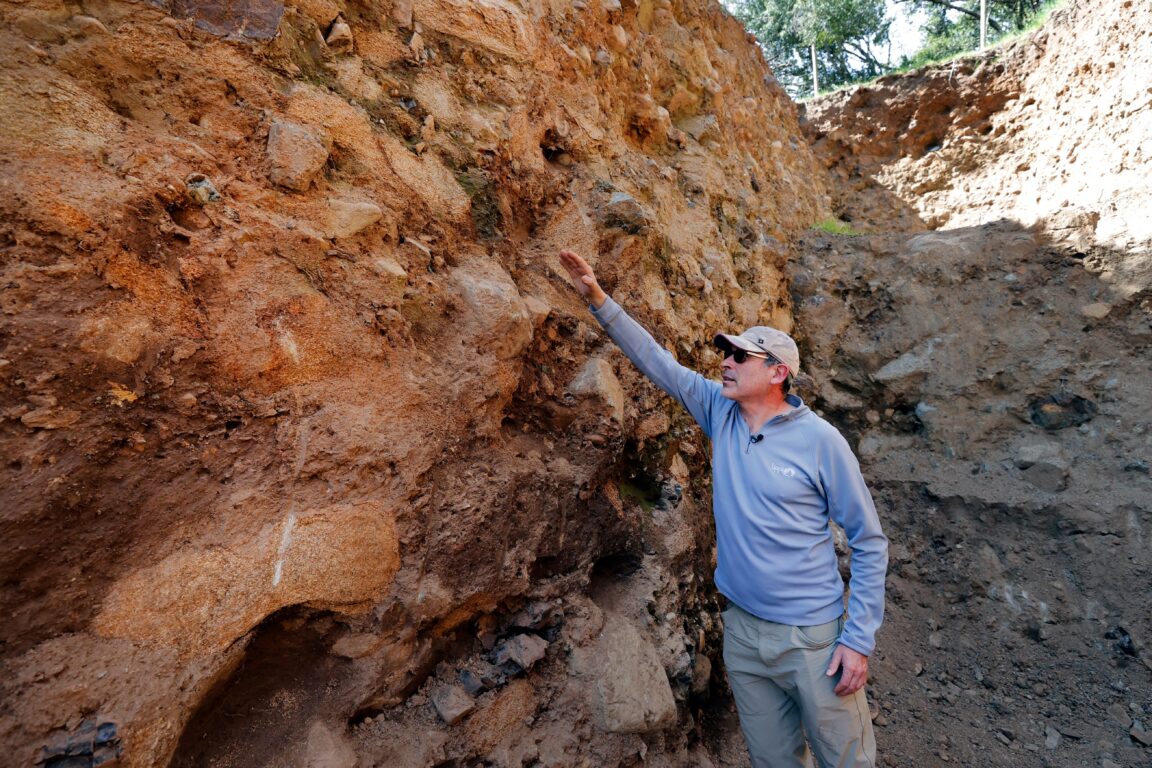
[[782, 471]]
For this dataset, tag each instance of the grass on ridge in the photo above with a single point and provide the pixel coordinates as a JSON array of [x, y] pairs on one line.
[[833, 226]]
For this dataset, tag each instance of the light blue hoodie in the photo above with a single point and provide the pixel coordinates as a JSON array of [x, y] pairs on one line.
[[773, 498]]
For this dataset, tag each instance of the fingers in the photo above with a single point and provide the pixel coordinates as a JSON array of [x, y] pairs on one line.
[[578, 269], [584, 277], [571, 262], [853, 668], [836, 661], [574, 263], [850, 682]]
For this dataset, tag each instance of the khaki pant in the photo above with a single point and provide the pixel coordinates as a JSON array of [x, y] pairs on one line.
[[782, 694]]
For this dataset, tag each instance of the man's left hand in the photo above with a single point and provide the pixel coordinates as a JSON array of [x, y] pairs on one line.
[[854, 666]]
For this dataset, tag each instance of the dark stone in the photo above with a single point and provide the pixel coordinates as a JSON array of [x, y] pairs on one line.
[[58, 748], [106, 733], [538, 615], [1048, 477], [106, 756], [472, 682], [1124, 642], [87, 746], [623, 211], [256, 19], [480, 676], [521, 650], [74, 761], [670, 495], [510, 669], [1061, 410]]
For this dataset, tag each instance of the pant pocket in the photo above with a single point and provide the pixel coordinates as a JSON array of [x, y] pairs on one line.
[[736, 627], [818, 636]]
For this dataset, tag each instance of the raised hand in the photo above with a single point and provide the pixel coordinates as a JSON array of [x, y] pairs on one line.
[[583, 278]]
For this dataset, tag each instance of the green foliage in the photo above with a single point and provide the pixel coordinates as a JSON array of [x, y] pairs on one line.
[[851, 37], [836, 227], [848, 35], [1042, 15], [646, 497], [953, 26], [486, 214]]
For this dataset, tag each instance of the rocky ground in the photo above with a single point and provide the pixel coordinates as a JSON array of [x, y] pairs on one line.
[[999, 408], [995, 373], [312, 458]]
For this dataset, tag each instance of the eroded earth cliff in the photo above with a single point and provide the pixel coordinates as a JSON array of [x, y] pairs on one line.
[[298, 407], [312, 457]]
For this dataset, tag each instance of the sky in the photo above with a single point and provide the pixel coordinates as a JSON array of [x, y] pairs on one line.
[[905, 32]]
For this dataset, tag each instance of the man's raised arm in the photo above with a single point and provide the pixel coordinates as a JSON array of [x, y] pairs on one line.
[[687, 387], [584, 278]]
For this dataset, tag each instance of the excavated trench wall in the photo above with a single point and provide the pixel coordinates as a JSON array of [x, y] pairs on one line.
[[312, 457], [1050, 131], [985, 339], [292, 383]]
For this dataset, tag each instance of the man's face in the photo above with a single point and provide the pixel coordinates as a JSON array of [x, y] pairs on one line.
[[750, 380]]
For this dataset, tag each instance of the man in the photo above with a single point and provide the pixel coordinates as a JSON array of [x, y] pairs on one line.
[[796, 664]]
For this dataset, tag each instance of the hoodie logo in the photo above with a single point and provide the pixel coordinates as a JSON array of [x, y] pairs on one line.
[[782, 471]]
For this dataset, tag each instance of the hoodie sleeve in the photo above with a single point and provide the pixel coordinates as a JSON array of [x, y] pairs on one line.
[[696, 393], [850, 505]]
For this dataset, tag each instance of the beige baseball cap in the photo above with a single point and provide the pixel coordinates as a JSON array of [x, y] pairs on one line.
[[761, 338]]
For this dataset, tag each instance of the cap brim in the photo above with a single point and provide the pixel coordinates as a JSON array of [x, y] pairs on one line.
[[725, 341]]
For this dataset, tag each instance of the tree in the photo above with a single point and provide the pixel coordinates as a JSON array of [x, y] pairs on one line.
[[841, 41], [954, 25]]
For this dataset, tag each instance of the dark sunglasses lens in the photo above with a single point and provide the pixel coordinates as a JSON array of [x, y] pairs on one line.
[[739, 356]]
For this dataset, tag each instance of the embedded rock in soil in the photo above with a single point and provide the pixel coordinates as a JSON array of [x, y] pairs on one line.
[[597, 380], [452, 703], [521, 650], [1061, 410], [348, 217], [296, 154], [632, 689]]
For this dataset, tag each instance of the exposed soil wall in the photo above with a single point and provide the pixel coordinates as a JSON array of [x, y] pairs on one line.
[[312, 457], [1050, 131], [289, 369]]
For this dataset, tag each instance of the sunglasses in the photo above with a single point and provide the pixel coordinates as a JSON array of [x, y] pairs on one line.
[[740, 355]]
